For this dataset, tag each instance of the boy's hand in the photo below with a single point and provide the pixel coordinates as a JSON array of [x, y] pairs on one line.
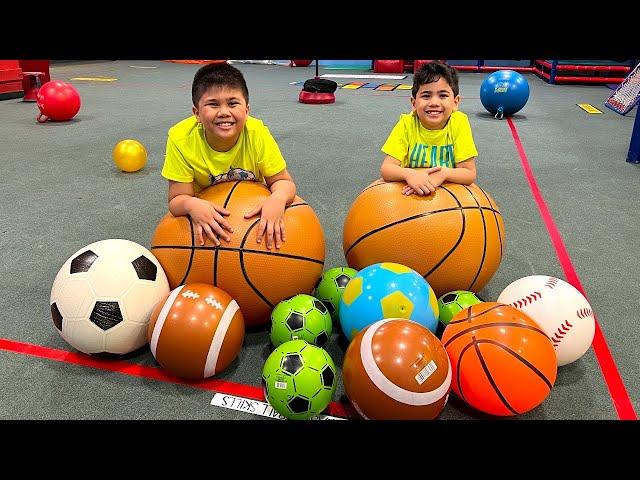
[[423, 181], [209, 218], [271, 220], [436, 178]]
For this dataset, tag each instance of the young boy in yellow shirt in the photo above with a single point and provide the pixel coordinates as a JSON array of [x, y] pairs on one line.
[[433, 143], [221, 142]]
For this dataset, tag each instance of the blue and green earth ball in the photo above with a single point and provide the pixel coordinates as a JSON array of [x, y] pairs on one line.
[[387, 290]]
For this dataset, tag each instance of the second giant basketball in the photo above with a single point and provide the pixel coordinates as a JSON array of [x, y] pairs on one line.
[[454, 237]]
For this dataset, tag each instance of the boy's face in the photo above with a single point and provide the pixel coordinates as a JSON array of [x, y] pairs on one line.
[[223, 112], [434, 104]]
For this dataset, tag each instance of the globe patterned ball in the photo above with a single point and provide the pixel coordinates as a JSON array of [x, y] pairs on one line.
[[387, 290]]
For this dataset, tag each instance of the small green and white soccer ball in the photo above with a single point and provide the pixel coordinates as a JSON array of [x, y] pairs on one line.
[[299, 380], [301, 317], [451, 303], [330, 287]]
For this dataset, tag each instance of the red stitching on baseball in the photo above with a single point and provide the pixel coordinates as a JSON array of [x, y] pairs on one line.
[[527, 300], [552, 282], [584, 313], [561, 332]]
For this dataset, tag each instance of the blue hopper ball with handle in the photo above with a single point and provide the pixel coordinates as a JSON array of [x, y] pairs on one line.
[[504, 93]]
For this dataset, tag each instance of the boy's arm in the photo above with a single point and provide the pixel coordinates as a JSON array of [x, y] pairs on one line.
[[282, 186], [391, 170], [418, 179], [180, 195], [463, 173]]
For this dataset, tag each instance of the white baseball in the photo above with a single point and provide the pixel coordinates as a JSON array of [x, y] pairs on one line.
[[559, 308]]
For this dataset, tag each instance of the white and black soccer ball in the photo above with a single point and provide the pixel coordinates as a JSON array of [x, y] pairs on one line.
[[103, 296]]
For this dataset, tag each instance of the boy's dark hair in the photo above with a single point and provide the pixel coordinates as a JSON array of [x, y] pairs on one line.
[[432, 72], [218, 74]]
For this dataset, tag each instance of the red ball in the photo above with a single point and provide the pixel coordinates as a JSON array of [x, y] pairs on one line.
[[58, 101], [396, 369], [197, 331]]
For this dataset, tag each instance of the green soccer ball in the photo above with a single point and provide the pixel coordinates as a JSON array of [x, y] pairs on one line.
[[330, 287], [451, 303], [301, 317], [299, 380]]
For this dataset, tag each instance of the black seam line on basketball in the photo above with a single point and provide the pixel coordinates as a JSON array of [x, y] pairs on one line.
[[215, 267], [253, 287], [484, 246], [494, 208], [244, 271], [236, 249], [226, 200], [490, 325], [408, 219], [193, 252], [248, 231], [490, 377], [471, 314], [371, 186], [460, 207], [215, 255], [459, 369], [519, 357], [462, 230]]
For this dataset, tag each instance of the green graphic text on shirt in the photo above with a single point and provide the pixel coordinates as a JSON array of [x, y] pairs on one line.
[[424, 156]]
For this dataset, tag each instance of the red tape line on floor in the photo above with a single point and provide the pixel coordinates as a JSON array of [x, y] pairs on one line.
[[135, 370], [617, 390]]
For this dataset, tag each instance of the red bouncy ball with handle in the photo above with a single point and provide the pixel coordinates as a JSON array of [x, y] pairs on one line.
[[58, 101]]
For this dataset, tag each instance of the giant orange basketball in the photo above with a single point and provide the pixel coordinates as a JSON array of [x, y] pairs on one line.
[[256, 277], [453, 237], [502, 361]]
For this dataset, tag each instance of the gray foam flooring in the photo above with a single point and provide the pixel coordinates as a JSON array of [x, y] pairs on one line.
[[61, 191]]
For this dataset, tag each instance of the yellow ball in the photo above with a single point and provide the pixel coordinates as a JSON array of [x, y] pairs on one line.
[[129, 155]]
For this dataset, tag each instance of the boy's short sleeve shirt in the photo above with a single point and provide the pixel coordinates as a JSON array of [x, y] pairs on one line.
[[418, 147], [189, 158]]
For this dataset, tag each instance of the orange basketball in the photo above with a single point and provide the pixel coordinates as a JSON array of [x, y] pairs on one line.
[[502, 361], [196, 332], [453, 237], [396, 369], [256, 277]]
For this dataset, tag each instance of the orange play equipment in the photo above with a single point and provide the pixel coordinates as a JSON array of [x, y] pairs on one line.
[[453, 237], [256, 277], [196, 331], [396, 369], [502, 361]]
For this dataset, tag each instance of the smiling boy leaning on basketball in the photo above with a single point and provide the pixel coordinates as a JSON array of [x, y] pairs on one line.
[[221, 142], [433, 143]]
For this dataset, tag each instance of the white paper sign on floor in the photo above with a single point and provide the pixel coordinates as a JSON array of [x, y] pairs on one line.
[[255, 407]]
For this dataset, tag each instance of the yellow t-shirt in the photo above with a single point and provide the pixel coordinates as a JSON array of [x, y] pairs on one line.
[[418, 147], [189, 158]]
